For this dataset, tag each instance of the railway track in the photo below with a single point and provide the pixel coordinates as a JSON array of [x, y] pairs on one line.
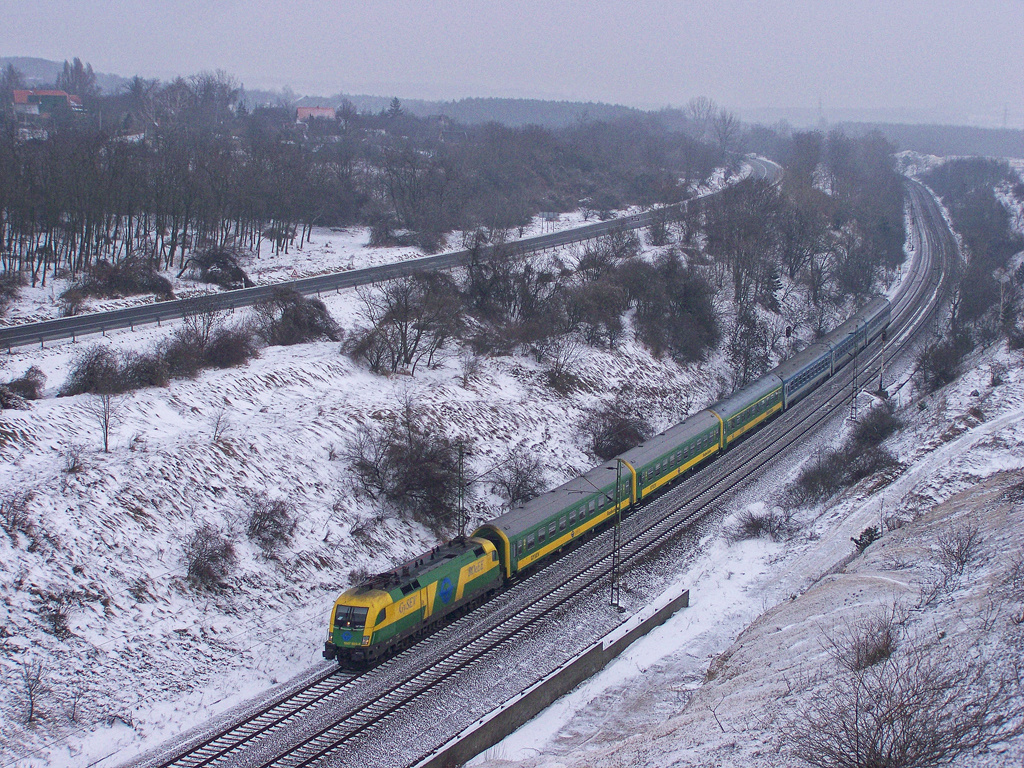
[[338, 711]]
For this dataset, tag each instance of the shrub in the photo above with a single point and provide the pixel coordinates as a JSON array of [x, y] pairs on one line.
[[71, 301], [408, 466], [867, 537], [611, 431], [772, 524], [128, 278], [876, 425], [56, 612], [141, 369], [14, 517], [29, 385], [11, 401], [290, 318], [916, 707], [95, 370], [939, 363], [218, 266], [838, 469], [870, 641], [229, 347], [271, 522], [958, 546], [183, 353], [860, 456], [208, 557]]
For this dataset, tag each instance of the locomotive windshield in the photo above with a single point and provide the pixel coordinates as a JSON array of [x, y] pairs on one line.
[[348, 617]]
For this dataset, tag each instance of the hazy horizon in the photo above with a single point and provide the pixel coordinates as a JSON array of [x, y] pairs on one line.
[[941, 61]]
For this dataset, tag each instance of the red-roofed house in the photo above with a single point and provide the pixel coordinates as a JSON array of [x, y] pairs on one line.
[[44, 103], [308, 113]]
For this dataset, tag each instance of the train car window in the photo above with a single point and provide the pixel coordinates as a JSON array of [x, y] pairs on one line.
[[381, 617], [541, 535], [572, 516], [494, 557], [529, 540], [592, 506], [479, 551], [561, 524], [551, 530]]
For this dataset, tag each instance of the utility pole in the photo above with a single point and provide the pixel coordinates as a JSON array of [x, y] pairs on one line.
[[462, 482], [881, 366], [853, 394], [616, 539]]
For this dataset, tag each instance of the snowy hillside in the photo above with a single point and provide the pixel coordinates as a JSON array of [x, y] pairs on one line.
[[127, 652], [759, 666], [721, 683]]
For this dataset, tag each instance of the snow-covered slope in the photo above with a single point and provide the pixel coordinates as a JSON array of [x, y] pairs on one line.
[[721, 682], [147, 655]]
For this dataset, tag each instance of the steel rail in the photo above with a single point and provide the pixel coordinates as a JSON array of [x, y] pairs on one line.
[[208, 749]]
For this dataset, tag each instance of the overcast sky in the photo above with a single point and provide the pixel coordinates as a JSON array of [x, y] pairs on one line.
[[956, 58]]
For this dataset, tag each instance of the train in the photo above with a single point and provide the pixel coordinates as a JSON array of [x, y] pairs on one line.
[[389, 611]]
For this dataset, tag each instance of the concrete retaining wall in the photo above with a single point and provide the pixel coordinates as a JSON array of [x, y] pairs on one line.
[[496, 725]]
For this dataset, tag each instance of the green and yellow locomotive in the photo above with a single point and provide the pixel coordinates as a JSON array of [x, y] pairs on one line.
[[387, 612]]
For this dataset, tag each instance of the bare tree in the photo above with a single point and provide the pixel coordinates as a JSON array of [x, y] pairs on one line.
[[701, 111], [219, 424], [34, 685], [920, 707], [519, 477], [409, 465], [107, 412], [958, 546], [726, 127], [411, 321], [562, 354]]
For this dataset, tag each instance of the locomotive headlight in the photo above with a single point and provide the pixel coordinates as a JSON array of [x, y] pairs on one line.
[[366, 641]]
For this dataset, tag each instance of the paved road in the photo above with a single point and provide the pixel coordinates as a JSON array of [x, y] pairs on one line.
[[100, 322]]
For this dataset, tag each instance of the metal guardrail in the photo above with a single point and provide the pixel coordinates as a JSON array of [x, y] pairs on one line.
[[148, 314]]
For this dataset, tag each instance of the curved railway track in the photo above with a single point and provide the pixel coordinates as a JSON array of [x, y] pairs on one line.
[[339, 710]]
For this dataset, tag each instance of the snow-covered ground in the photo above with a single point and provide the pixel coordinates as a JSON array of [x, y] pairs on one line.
[[147, 656], [723, 682], [718, 684]]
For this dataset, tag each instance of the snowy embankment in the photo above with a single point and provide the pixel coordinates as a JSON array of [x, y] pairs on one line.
[[721, 683], [727, 681]]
